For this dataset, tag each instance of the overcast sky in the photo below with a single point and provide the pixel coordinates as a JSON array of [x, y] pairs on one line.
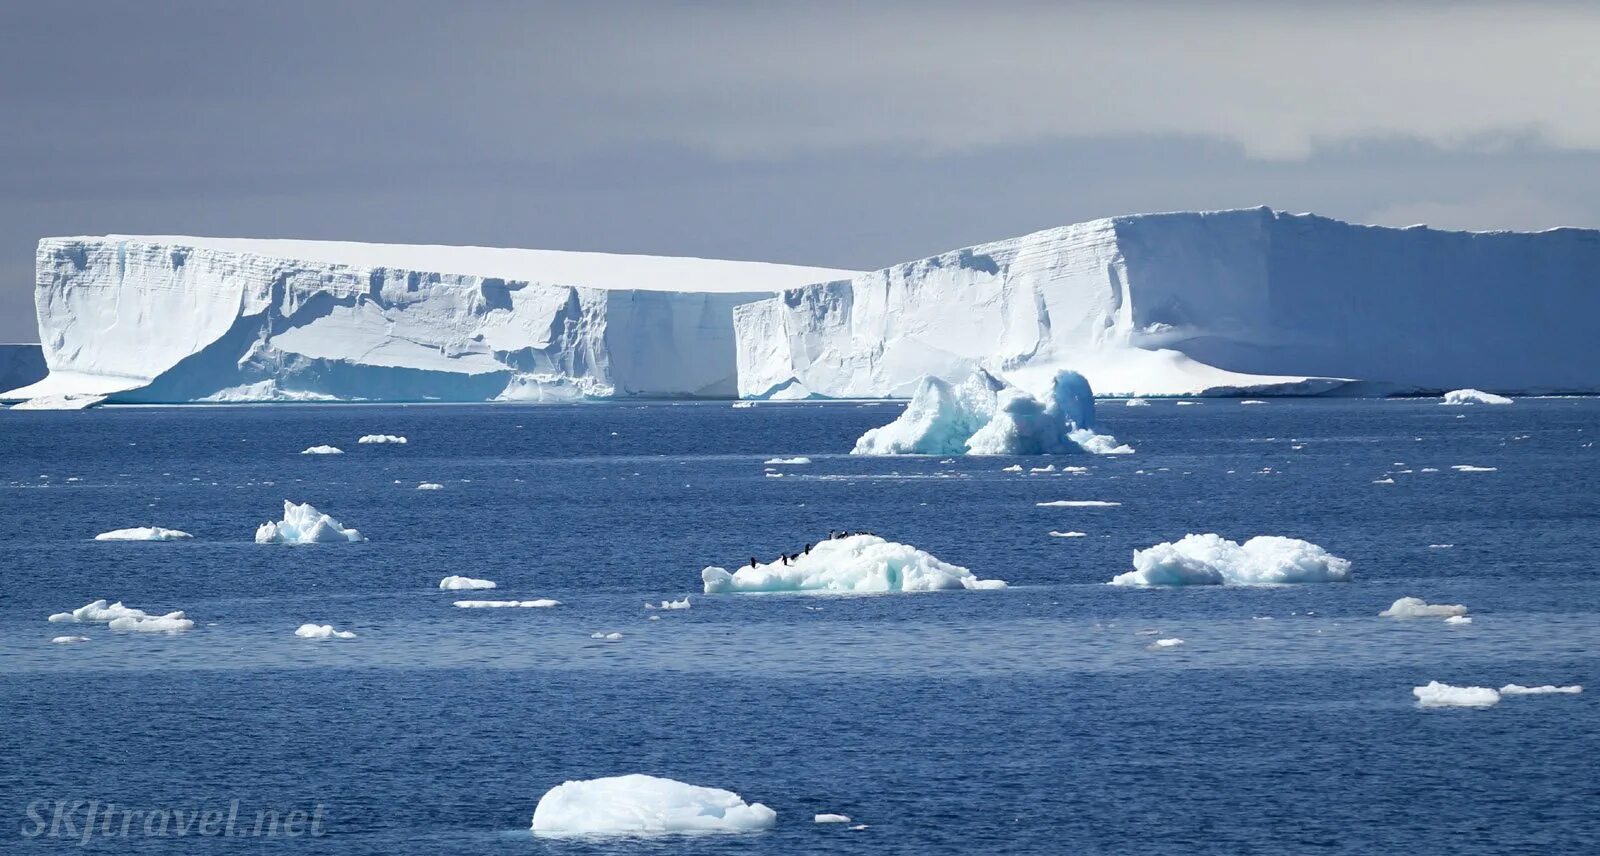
[[845, 135]]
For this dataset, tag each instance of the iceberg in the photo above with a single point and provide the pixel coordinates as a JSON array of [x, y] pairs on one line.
[[541, 603], [985, 416], [323, 450], [1436, 694], [1473, 396], [1416, 607], [457, 583], [322, 631], [854, 564], [369, 439], [303, 524], [645, 805], [1211, 559], [1547, 689], [143, 533]]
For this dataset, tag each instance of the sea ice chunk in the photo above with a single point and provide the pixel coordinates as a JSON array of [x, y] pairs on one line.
[[303, 524], [1022, 425], [382, 438], [938, 419], [455, 583], [858, 563], [671, 604], [1473, 396], [1547, 689], [1162, 644], [172, 622], [1458, 619], [1436, 694], [1078, 503], [143, 533], [430, 486], [1469, 468], [797, 460], [68, 640], [1416, 607], [1055, 534], [645, 805], [831, 818], [1211, 559], [608, 637], [322, 631], [119, 617], [1137, 402], [541, 603], [323, 450]]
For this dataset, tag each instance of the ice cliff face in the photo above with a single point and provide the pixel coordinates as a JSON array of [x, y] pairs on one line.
[[1191, 302], [158, 319]]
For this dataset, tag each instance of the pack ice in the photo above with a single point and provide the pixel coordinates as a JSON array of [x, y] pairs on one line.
[[645, 805], [855, 564], [173, 319], [1187, 303]]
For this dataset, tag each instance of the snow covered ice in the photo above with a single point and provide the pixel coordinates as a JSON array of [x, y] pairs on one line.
[[1473, 396], [1416, 607], [645, 805], [457, 583], [303, 524], [1436, 694], [370, 439], [1211, 559], [323, 450], [855, 564], [143, 533], [322, 631]]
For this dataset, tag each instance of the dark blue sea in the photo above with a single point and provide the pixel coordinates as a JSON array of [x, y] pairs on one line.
[[1030, 720]]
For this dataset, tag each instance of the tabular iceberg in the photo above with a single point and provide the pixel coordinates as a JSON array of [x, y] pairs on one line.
[[645, 805], [173, 319], [1183, 303], [855, 564]]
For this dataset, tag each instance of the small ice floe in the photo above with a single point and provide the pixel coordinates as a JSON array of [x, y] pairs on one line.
[[1075, 470], [1547, 689], [1469, 468], [1458, 619], [608, 637], [118, 617], [1416, 607], [1048, 468], [322, 631], [670, 604], [1252, 401], [1436, 694], [303, 524], [794, 461], [1137, 402], [772, 475], [69, 640], [143, 533], [1163, 644], [1472, 396], [430, 486], [323, 450], [1014, 468], [507, 604], [1384, 480], [645, 805], [1428, 470], [1187, 403], [1055, 534], [382, 438], [1440, 546], [740, 405], [831, 818], [1211, 559], [856, 563], [1078, 503], [457, 583]]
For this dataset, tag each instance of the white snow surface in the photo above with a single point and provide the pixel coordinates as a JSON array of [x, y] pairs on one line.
[[369, 439], [143, 533], [637, 804], [858, 564], [1229, 302], [1416, 607], [1436, 694], [458, 583], [1473, 396], [172, 319], [1547, 689], [982, 415], [303, 524], [322, 631], [1211, 559]]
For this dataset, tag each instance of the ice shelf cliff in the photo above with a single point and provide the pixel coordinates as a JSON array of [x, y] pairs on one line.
[[171, 319], [1223, 302]]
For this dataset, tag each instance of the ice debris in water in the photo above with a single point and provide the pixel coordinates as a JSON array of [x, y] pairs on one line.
[[322, 631], [1014, 468], [1162, 644], [795, 461], [985, 416], [430, 486], [1137, 402], [1472, 396], [118, 617], [382, 438], [645, 805], [1469, 468], [671, 604], [831, 818], [1078, 503], [1436, 694], [856, 563], [1211, 559], [303, 524], [454, 583], [1547, 689], [1459, 619], [1055, 534], [507, 604], [143, 533], [609, 637], [323, 450], [1416, 607], [68, 640]]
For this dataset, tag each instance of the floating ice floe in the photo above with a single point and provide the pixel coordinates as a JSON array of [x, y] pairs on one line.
[[1045, 469], [795, 461], [303, 524], [1384, 480], [645, 805], [1436, 694], [172, 622], [1473, 396], [1137, 402], [507, 604], [985, 416], [1440, 546], [1547, 689], [1014, 468], [118, 617], [671, 604], [382, 438], [322, 631], [69, 640], [1469, 468], [1211, 559], [430, 486], [1187, 403], [1416, 607], [608, 637], [1078, 503], [456, 583], [1055, 534], [323, 450], [143, 533], [1162, 644], [1252, 401], [831, 818], [858, 563], [1459, 619]]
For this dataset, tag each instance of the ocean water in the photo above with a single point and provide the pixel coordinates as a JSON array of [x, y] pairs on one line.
[[1030, 720]]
